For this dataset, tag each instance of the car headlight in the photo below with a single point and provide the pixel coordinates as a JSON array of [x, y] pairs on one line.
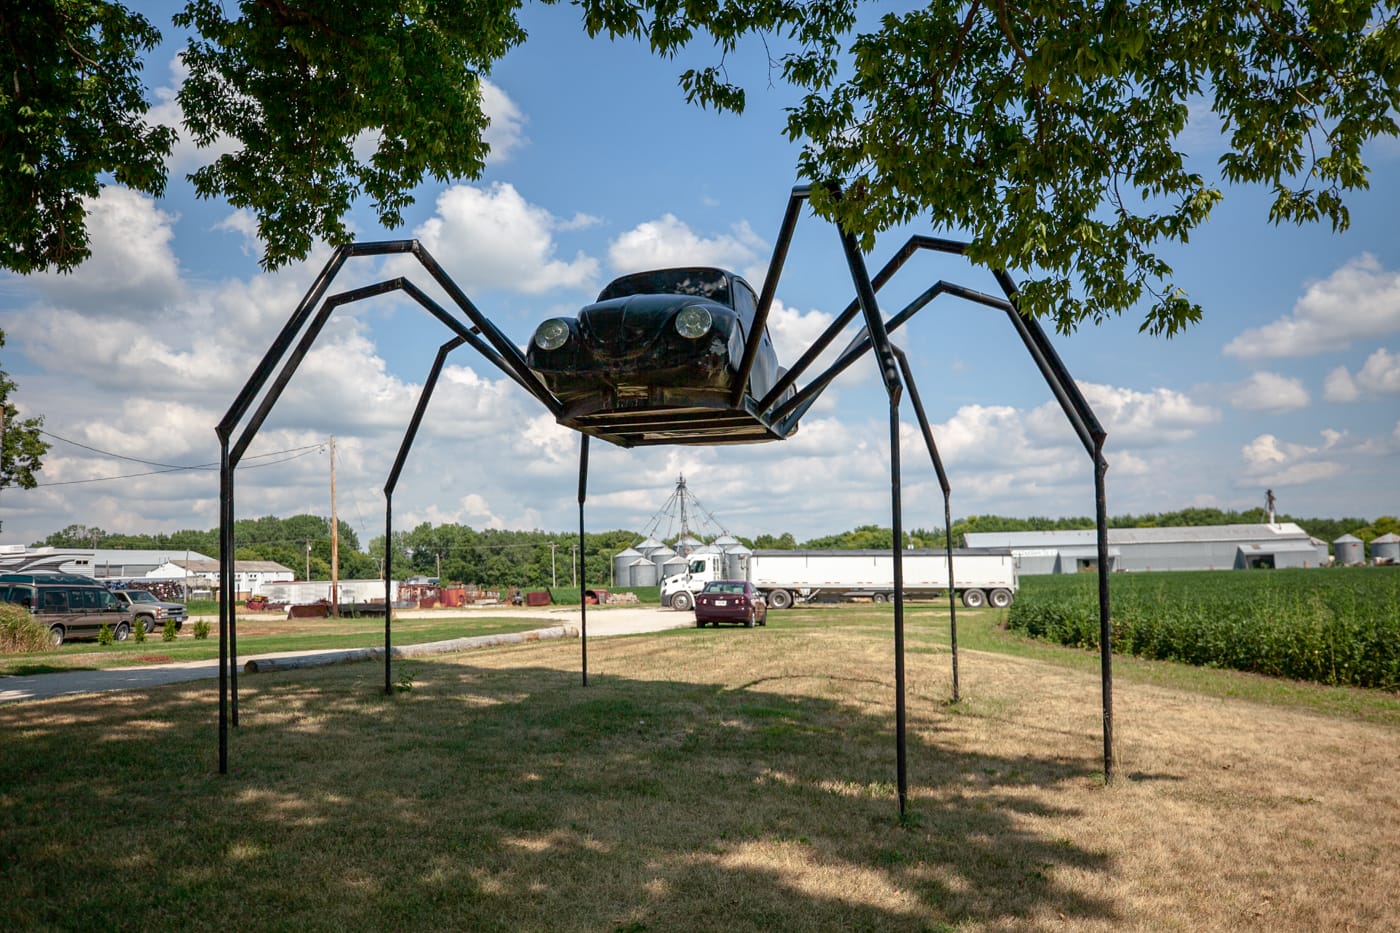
[[693, 321], [552, 334]]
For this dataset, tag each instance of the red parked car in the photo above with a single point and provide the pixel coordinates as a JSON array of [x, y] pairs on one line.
[[730, 601]]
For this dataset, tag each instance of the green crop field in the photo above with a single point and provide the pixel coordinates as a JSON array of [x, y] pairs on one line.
[[1332, 626]]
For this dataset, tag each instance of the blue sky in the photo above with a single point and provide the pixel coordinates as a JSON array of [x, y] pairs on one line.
[[1291, 382]]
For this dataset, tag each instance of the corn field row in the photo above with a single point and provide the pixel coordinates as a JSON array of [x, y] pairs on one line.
[[1331, 626]]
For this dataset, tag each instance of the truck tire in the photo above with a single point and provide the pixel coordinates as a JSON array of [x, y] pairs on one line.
[[878, 597], [682, 601], [147, 622], [974, 599], [56, 635], [999, 598], [780, 599]]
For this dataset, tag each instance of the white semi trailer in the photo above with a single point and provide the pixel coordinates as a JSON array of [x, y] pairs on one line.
[[981, 576]]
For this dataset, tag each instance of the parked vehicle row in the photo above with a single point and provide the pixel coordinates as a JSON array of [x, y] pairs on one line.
[[67, 604]]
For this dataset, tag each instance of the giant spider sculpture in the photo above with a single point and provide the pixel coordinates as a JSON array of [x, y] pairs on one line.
[[609, 374]]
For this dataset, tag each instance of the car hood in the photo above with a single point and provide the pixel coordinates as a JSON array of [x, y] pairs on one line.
[[634, 321]]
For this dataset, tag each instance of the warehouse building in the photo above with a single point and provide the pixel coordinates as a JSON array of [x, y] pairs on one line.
[[1209, 547]]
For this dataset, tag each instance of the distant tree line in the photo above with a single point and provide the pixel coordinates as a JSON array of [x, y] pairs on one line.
[[500, 558]]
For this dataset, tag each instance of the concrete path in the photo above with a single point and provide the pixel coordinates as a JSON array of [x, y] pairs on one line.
[[602, 623]]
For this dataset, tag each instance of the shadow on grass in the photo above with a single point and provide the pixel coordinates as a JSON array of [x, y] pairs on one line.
[[514, 799]]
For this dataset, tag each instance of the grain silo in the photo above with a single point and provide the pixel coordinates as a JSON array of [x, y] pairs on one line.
[[642, 572], [1386, 549], [621, 563], [673, 567], [1348, 551], [659, 556], [736, 562]]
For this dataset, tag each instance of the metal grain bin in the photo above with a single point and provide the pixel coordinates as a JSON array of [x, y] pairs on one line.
[[1386, 549], [1348, 551], [642, 573], [659, 556], [736, 562], [622, 562], [725, 541], [687, 544], [649, 545], [675, 565]]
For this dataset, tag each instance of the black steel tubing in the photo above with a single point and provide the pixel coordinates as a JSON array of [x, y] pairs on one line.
[[896, 512], [392, 483], [582, 552], [225, 585], [947, 508], [770, 286], [1105, 620], [503, 346]]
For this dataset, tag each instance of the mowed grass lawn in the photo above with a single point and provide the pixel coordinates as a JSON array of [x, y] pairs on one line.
[[709, 780]]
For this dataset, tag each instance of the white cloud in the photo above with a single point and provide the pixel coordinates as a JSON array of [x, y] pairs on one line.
[[1340, 387], [657, 244], [1359, 300], [1272, 462], [1131, 417], [494, 238], [1265, 391], [506, 132], [1381, 373], [132, 271]]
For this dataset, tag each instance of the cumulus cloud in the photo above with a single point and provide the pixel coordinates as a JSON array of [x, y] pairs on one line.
[[132, 271], [1132, 417], [494, 238], [1340, 387], [669, 241], [1265, 391], [1271, 461], [1381, 373], [506, 132], [1361, 299]]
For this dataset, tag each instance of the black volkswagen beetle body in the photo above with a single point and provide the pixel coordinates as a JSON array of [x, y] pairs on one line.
[[655, 358]]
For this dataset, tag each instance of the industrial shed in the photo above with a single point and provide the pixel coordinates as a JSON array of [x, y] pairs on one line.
[[1208, 547]]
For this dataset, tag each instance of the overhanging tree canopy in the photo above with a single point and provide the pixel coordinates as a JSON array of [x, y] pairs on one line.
[[1050, 132]]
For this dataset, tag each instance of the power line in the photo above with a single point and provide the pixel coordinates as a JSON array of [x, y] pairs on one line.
[[295, 453]]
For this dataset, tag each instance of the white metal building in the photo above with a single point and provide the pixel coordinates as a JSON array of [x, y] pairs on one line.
[[1207, 547]]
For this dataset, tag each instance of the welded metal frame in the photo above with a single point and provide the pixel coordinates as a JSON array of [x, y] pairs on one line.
[[267, 382]]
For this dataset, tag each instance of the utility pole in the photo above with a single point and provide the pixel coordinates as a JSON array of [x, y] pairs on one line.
[[553, 577], [307, 578], [573, 561], [335, 542]]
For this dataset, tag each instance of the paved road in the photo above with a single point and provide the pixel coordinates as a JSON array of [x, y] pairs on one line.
[[602, 623]]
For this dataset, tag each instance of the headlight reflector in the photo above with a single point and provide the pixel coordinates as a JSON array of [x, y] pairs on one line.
[[693, 321], [552, 334]]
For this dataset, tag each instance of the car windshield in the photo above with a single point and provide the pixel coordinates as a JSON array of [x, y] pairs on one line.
[[704, 283], [141, 596]]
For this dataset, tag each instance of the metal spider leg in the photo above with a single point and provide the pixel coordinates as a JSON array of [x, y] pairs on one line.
[[792, 410], [287, 350], [583, 554], [392, 483], [947, 509]]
